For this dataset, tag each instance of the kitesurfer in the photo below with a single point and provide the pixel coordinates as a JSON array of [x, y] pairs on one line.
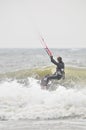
[[59, 74]]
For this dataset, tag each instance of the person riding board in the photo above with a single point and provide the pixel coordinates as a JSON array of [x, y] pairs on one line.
[[60, 73]]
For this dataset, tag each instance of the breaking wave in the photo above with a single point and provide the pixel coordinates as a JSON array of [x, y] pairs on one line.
[[20, 99], [73, 76]]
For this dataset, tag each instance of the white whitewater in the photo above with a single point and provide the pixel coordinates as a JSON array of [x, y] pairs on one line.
[[18, 101]]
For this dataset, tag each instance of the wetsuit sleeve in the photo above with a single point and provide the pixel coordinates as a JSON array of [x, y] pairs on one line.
[[53, 61]]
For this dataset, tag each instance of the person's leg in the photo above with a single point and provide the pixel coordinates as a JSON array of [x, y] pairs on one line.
[[58, 77], [51, 77]]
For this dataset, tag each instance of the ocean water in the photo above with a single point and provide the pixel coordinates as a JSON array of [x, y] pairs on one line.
[[24, 105], [16, 59]]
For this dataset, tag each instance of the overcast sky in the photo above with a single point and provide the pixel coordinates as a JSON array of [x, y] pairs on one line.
[[62, 23]]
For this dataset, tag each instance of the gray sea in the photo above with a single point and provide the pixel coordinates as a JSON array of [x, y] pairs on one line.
[[25, 106], [16, 59]]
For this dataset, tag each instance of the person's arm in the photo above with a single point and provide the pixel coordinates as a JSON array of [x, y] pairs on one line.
[[53, 61]]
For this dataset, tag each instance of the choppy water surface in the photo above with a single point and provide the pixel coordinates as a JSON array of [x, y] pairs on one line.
[[15, 59], [23, 101]]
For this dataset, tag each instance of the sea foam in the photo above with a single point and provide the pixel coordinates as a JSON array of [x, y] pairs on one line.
[[18, 101]]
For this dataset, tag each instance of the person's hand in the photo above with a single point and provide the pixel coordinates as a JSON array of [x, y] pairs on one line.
[[51, 57]]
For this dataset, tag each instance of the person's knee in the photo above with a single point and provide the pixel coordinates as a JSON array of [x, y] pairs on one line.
[[59, 77]]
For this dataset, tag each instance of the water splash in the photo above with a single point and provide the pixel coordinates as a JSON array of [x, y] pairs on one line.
[[18, 101]]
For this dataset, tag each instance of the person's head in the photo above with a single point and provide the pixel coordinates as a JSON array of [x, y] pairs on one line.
[[59, 59]]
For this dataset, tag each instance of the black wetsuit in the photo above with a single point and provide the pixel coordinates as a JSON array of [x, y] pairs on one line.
[[59, 70]]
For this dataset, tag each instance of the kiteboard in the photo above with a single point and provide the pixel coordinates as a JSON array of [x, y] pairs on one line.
[[44, 82], [48, 85]]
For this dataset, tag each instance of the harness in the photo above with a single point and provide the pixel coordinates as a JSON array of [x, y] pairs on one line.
[[60, 70]]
